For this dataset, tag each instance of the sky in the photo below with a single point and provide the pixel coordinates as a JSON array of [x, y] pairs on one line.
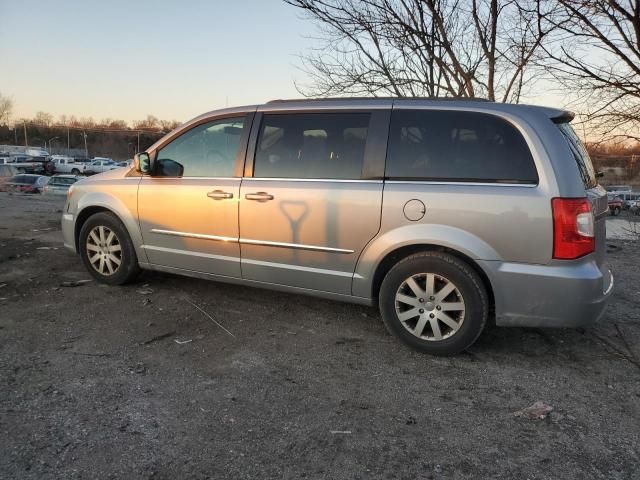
[[172, 59], [127, 59]]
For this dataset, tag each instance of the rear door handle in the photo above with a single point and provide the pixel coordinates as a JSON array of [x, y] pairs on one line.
[[219, 195], [259, 196]]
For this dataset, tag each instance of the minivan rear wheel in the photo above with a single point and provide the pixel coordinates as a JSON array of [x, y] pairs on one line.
[[434, 302], [107, 251]]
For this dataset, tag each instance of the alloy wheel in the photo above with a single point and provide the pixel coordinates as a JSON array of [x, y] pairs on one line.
[[104, 250], [430, 306]]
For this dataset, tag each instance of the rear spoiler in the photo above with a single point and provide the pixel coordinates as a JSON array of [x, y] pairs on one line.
[[564, 116]]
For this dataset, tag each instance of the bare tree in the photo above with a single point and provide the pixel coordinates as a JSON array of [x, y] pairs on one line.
[[6, 107], [461, 48], [596, 53], [43, 118], [150, 123], [168, 125]]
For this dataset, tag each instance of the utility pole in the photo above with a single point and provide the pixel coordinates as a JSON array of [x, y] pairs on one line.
[[86, 150], [138, 151], [26, 139], [15, 131], [68, 142]]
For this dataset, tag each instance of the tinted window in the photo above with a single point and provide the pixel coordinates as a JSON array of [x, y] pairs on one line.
[[208, 150], [580, 155], [457, 146], [312, 145]]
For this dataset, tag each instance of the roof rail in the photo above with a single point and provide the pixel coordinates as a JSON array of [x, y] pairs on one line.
[[325, 99]]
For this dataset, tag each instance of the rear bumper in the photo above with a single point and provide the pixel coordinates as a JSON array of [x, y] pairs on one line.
[[68, 231], [563, 294]]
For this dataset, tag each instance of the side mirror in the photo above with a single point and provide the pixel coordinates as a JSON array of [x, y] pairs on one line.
[[142, 163]]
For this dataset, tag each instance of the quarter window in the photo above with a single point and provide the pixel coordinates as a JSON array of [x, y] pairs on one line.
[[208, 150], [457, 146], [312, 145]]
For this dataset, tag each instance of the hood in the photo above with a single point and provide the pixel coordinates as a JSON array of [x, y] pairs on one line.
[[116, 173]]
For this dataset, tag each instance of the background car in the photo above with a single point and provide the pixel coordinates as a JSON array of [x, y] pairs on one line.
[[616, 204], [6, 172], [27, 183], [59, 184], [100, 165]]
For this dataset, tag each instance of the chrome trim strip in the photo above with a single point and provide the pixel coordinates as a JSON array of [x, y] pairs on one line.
[[191, 253], [191, 178], [474, 184], [249, 241], [323, 180], [298, 246], [298, 268], [195, 235]]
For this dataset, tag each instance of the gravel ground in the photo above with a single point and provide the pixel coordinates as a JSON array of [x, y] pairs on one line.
[[136, 382]]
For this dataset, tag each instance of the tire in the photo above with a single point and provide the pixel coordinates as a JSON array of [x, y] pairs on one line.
[[466, 306], [75, 171], [110, 250]]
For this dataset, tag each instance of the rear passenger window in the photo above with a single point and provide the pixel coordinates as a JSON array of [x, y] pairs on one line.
[[580, 155], [312, 145], [457, 146]]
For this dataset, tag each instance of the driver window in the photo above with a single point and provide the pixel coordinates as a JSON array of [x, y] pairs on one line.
[[208, 150]]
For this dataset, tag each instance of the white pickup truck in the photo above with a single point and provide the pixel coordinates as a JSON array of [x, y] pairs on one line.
[[99, 165], [68, 165]]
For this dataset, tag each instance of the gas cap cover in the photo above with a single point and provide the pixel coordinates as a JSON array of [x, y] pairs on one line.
[[414, 210]]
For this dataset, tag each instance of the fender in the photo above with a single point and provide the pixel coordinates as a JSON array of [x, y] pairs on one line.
[[127, 213], [409, 235]]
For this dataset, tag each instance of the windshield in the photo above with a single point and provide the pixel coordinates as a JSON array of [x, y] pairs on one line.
[[580, 155]]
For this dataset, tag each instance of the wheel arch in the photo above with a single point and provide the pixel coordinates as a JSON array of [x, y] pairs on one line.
[[92, 204], [394, 256], [83, 216]]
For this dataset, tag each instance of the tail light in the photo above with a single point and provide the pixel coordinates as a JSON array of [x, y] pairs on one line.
[[573, 228]]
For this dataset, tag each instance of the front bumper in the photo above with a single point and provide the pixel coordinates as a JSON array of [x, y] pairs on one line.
[[68, 231], [563, 294]]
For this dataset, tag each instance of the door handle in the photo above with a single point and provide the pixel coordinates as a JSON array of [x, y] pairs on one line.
[[219, 195], [259, 196]]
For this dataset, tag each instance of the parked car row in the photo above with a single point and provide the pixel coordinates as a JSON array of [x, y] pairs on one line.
[[32, 183], [61, 164]]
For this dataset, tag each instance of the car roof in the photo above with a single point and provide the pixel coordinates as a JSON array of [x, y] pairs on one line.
[[386, 102]]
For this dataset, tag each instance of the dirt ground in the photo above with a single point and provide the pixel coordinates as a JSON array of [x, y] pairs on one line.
[[136, 382]]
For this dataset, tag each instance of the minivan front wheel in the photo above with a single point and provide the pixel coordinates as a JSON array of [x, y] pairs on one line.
[[434, 302], [107, 250]]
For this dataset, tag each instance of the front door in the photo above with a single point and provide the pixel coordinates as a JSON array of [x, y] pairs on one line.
[[188, 208], [306, 213]]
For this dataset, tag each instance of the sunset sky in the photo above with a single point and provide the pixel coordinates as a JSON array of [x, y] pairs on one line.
[[172, 59]]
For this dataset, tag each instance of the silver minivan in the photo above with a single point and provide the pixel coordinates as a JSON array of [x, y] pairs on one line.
[[447, 214]]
